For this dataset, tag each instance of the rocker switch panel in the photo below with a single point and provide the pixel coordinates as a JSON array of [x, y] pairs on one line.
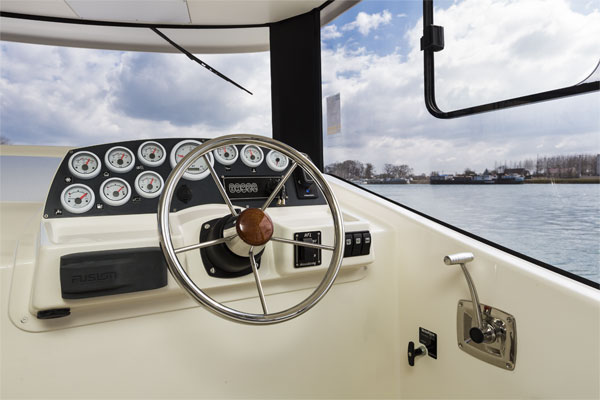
[[357, 244]]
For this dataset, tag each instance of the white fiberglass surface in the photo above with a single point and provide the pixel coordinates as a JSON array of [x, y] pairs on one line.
[[494, 50]]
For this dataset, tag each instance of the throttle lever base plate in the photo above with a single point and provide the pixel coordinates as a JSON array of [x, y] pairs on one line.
[[503, 351]]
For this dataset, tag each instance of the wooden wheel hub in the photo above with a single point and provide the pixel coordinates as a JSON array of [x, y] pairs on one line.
[[254, 227]]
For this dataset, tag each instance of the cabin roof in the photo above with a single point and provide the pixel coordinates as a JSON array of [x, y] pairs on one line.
[[52, 23]]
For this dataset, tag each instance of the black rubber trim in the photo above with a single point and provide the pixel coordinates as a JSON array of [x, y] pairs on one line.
[[539, 263], [429, 84]]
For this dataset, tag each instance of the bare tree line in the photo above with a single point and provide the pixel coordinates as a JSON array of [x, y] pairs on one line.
[[354, 169], [563, 166]]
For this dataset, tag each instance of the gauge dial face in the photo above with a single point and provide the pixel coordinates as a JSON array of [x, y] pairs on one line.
[[199, 169], [152, 154], [226, 155], [149, 184], [252, 155], [77, 198], [115, 191], [119, 159], [277, 161], [85, 165]]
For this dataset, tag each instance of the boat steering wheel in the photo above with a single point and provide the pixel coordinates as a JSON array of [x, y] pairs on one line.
[[253, 230]]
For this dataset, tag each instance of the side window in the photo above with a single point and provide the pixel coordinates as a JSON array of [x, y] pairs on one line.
[[525, 178]]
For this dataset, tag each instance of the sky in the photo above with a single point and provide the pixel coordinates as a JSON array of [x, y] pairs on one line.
[[495, 49]]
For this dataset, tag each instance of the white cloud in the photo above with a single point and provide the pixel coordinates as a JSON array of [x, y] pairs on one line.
[[81, 97], [401, 15], [365, 23], [330, 32]]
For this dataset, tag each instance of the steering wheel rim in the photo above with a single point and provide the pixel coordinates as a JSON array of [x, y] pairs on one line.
[[184, 280]]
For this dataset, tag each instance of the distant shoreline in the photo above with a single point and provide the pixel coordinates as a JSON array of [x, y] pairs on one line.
[[537, 181], [587, 179]]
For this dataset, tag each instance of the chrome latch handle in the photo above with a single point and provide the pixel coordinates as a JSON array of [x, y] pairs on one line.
[[483, 332]]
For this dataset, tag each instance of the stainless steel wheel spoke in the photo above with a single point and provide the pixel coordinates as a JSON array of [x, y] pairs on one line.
[[305, 244], [213, 173], [204, 244], [261, 294], [279, 186]]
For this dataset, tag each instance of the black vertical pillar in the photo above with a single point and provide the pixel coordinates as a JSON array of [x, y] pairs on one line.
[[296, 84]]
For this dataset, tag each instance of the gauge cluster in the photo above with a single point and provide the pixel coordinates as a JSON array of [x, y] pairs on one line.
[[128, 178]]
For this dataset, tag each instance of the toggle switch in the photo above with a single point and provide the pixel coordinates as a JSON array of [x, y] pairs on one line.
[[366, 243], [357, 240], [348, 245]]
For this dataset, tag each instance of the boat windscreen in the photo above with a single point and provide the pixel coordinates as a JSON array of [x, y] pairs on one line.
[[26, 179]]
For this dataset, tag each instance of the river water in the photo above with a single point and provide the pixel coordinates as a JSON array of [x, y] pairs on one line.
[[558, 224]]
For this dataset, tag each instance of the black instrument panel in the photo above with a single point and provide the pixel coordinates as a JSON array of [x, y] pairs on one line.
[[247, 186]]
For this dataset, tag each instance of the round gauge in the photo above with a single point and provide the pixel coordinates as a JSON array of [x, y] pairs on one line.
[[115, 191], [151, 154], [149, 184], [226, 155], [252, 155], [77, 198], [277, 161], [119, 159], [84, 165], [199, 169]]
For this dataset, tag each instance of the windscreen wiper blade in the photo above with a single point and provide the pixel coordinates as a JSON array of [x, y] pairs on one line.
[[196, 59]]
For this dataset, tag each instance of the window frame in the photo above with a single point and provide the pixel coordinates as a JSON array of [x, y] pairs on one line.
[[433, 41]]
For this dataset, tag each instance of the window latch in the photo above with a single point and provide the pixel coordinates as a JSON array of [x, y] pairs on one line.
[[433, 38]]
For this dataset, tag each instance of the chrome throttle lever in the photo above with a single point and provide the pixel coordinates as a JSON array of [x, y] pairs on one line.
[[483, 332], [494, 338]]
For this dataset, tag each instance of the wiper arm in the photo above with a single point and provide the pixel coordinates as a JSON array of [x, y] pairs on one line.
[[196, 59]]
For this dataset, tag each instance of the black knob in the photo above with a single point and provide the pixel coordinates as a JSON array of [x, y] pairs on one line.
[[485, 335], [476, 335], [412, 353]]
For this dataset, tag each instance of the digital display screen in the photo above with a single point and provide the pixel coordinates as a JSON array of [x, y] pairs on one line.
[[250, 187]]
